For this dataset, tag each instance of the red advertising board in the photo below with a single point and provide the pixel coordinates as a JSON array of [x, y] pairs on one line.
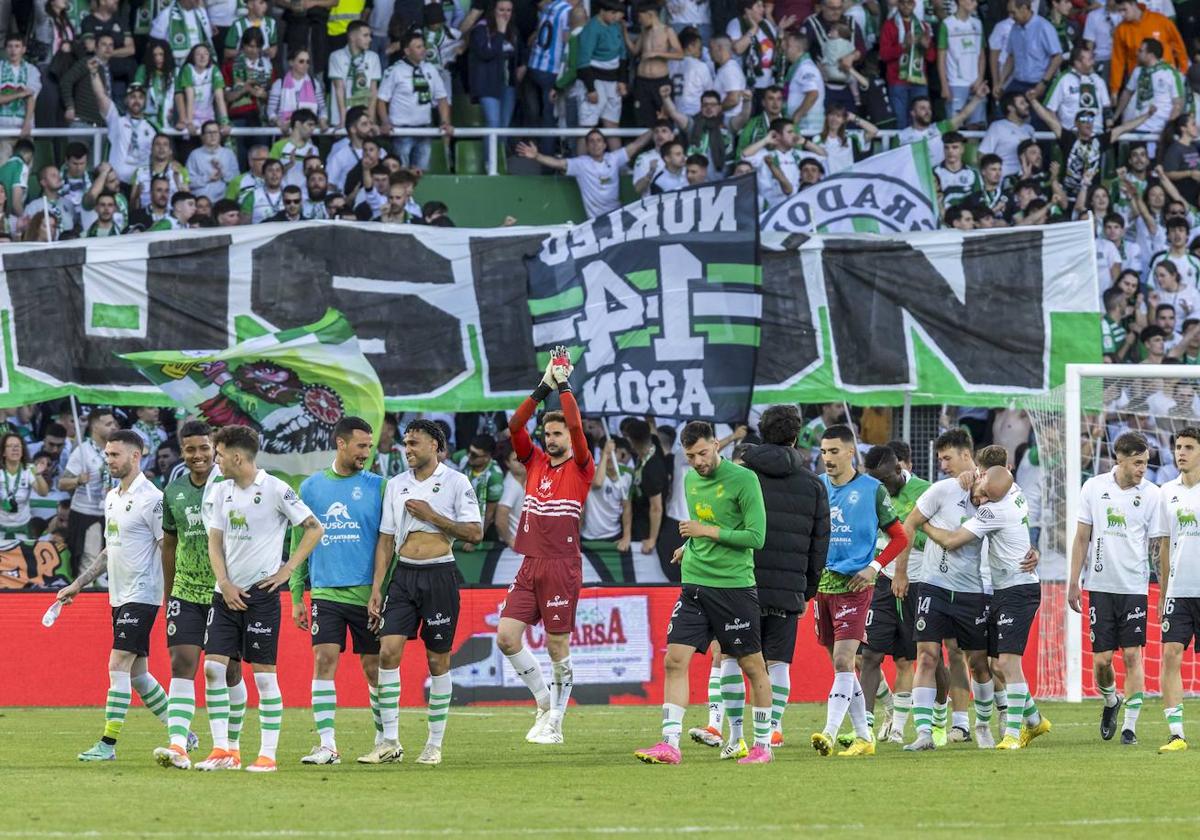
[[617, 648]]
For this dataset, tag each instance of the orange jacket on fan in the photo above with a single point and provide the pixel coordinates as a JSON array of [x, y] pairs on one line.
[[1127, 37]]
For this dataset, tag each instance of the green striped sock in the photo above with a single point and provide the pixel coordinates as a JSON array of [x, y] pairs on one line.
[[983, 695], [270, 713], [237, 713], [922, 708], [870, 720], [1015, 717], [181, 708], [116, 705], [1133, 708], [781, 689], [883, 694], [373, 693], [217, 701], [440, 691], [672, 725], [1032, 716], [1175, 720], [152, 695], [716, 709], [1109, 693], [939, 714], [762, 726], [733, 696], [324, 708]]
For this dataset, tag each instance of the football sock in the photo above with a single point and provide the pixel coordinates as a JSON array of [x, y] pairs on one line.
[[1133, 708], [960, 719], [1174, 720], [152, 695], [389, 703], [902, 709], [530, 673], [116, 705], [1032, 717], [181, 708], [781, 688], [984, 694], [1016, 708], [839, 701], [324, 709], [440, 689], [883, 694], [922, 708], [762, 726], [858, 712], [373, 692], [716, 709], [870, 720], [1001, 700], [733, 695], [1109, 693], [237, 714], [563, 677], [270, 712], [216, 699], [939, 714], [672, 725]]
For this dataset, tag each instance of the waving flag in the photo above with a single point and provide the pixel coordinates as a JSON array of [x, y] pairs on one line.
[[291, 386]]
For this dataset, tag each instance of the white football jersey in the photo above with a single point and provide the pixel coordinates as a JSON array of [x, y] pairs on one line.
[[948, 506], [1179, 517], [254, 523], [1123, 522], [1006, 525], [133, 533], [449, 493]]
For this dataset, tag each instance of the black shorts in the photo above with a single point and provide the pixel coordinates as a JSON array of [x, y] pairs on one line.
[[251, 634], [962, 616], [425, 597], [330, 620], [891, 620], [186, 621], [131, 624], [1117, 621], [1011, 618], [1181, 621], [778, 630], [731, 616]]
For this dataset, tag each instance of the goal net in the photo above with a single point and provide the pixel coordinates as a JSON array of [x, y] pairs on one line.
[[1075, 426]]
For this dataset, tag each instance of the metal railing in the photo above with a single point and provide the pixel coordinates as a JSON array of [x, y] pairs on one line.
[[888, 138]]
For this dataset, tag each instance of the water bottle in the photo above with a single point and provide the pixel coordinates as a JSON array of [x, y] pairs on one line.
[[52, 614]]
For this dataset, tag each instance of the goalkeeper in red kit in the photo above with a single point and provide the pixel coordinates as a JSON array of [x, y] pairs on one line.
[[546, 589]]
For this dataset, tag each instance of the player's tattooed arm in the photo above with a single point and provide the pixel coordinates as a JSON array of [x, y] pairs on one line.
[[93, 571]]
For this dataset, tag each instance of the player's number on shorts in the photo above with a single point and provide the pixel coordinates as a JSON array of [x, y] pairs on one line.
[[1092, 616], [870, 616], [1170, 608], [173, 608], [923, 604], [674, 612]]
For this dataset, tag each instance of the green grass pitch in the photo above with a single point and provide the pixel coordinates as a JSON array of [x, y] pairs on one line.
[[493, 785]]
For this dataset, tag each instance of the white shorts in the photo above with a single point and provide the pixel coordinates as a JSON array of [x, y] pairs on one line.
[[607, 107]]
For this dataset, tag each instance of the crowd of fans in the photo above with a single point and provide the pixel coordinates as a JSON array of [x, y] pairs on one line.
[[791, 91]]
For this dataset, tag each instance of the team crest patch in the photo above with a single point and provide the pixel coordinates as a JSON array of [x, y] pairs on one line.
[[170, 628], [356, 493], [920, 624]]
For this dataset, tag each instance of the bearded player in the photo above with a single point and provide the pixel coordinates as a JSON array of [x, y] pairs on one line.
[[546, 589]]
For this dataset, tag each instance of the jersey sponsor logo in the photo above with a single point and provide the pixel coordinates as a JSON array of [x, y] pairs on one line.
[[1116, 519], [259, 630], [237, 520], [113, 530], [437, 621], [704, 512], [1135, 614], [845, 611], [192, 514], [558, 601], [1186, 517], [737, 624], [1003, 620]]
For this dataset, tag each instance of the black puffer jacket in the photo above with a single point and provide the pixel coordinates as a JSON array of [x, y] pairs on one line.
[[788, 566]]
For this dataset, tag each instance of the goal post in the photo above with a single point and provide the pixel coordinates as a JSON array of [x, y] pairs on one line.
[[1075, 426]]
